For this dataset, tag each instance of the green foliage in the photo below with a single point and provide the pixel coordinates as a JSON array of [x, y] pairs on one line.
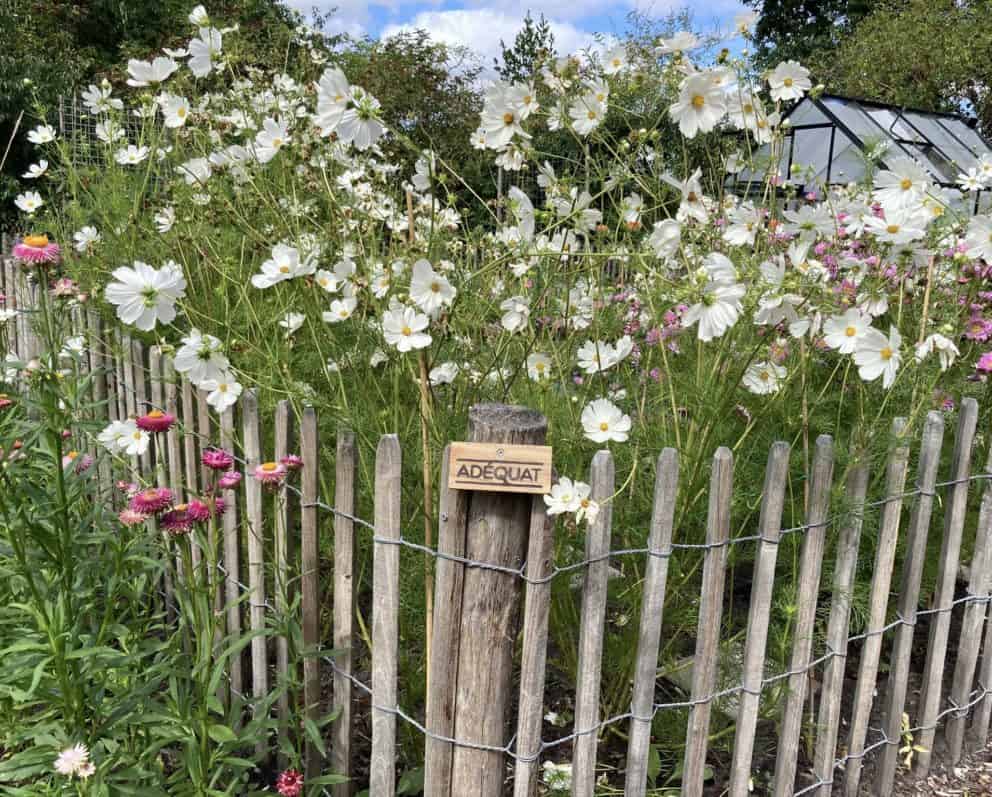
[[533, 45]]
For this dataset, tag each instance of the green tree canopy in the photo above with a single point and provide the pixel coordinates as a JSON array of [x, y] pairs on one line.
[[796, 29], [533, 44]]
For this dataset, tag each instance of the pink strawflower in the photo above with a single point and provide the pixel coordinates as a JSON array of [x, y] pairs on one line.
[[200, 510], [229, 480], [217, 459], [271, 474], [5, 401], [64, 287], [984, 363], [152, 501], [131, 518], [290, 783], [128, 488], [177, 521], [155, 421], [37, 250], [292, 462]]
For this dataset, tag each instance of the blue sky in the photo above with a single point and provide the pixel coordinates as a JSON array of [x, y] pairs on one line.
[[480, 24]]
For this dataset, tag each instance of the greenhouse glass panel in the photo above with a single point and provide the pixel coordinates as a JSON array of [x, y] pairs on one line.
[[962, 156]]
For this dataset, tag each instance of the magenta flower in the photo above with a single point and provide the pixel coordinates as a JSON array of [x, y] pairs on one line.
[[292, 462], [271, 474], [230, 480], [64, 287], [130, 518], [155, 421], [5, 401], [201, 510], [177, 521], [290, 783], [37, 250], [984, 363], [152, 501], [128, 488], [216, 459]]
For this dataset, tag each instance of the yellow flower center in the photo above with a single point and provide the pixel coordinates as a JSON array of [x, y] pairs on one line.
[[748, 109], [406, 331], [764, 376], [435, 287], [787, 82], [892, 229], [156, 414], [528, 99], [268, 467], [591, 114], [72, 455], [886, 353], [508, 118], [283, 269], [698, 101], [37, 241], [277, 142], [850, 332], [601, 97], [539, 366], [181, 113], [342, 313], [905, 184], [136, 435], [604, 426]]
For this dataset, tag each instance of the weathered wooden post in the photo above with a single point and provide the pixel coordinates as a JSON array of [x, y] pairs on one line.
[[488, 492]]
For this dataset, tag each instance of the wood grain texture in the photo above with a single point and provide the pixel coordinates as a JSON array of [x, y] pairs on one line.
[[256, 555], [232, 562], [652, 609], [955, 509], [704, 671], [385, 616], [190, 449], [140, 383], [807, 589], [756, 639], [838, 625], [592, 630], [345, 470], [533, 657], [310, 580], [878, 601], [909, 598], [98, 371], [971, 622], [449, 579], [497, 526], [281, 570]]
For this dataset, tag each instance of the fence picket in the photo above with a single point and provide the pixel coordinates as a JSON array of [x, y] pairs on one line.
[[158, 457], [971, 624], [950, 551], [385, 616], [983, 710], [256, 553], [345, 468], [888, 538], [232, 563], [592, 628], [770, 529], [649, 636], [310, 580], [283, 441], [838, 626], [190, 448], [203, 433], [811, 561], [533, 657], [704, 673], [98, 372], [449, 578], [909, 597], [140, 385]]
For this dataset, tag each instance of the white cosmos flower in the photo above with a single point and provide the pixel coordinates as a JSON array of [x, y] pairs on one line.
[[404, 328], [900, 226], [29, 202], [360, 125], [75, 761], [195, 171], [538, 366], [204, 50], [615, 60], [109, 131], [789, 81], [175, 110], [164, 219], [429, 290], [146, 296], [42, 134], [341, 310], [86, 239], [97, 99], [587, 113], [199, 17], [843, 332], [562, 498], [700, 106], [979, 238], [501, 117], [36, 170], [333, 93], [331, 282], [878, 355], [131, 155], [597, 356], [111, 436], [201, 358], [223, 392], [292, 322], [763, 378], [946, 350], [603, 421], [144, 73], [902, 185], [681, 42], [516, 313], [136, 443], [665, 238], [284, 264], [273, 136], [718, 312], [443, 374]]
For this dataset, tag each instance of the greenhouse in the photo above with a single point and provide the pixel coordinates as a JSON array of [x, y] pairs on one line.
[[828, 141]]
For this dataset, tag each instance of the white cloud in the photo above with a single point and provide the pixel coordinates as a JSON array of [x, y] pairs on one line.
[[481, 29]]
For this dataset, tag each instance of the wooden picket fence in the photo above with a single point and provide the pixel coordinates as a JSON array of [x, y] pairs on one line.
[[494, 568]]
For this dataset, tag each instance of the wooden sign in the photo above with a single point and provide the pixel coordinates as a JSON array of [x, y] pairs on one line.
[[498, 468]]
